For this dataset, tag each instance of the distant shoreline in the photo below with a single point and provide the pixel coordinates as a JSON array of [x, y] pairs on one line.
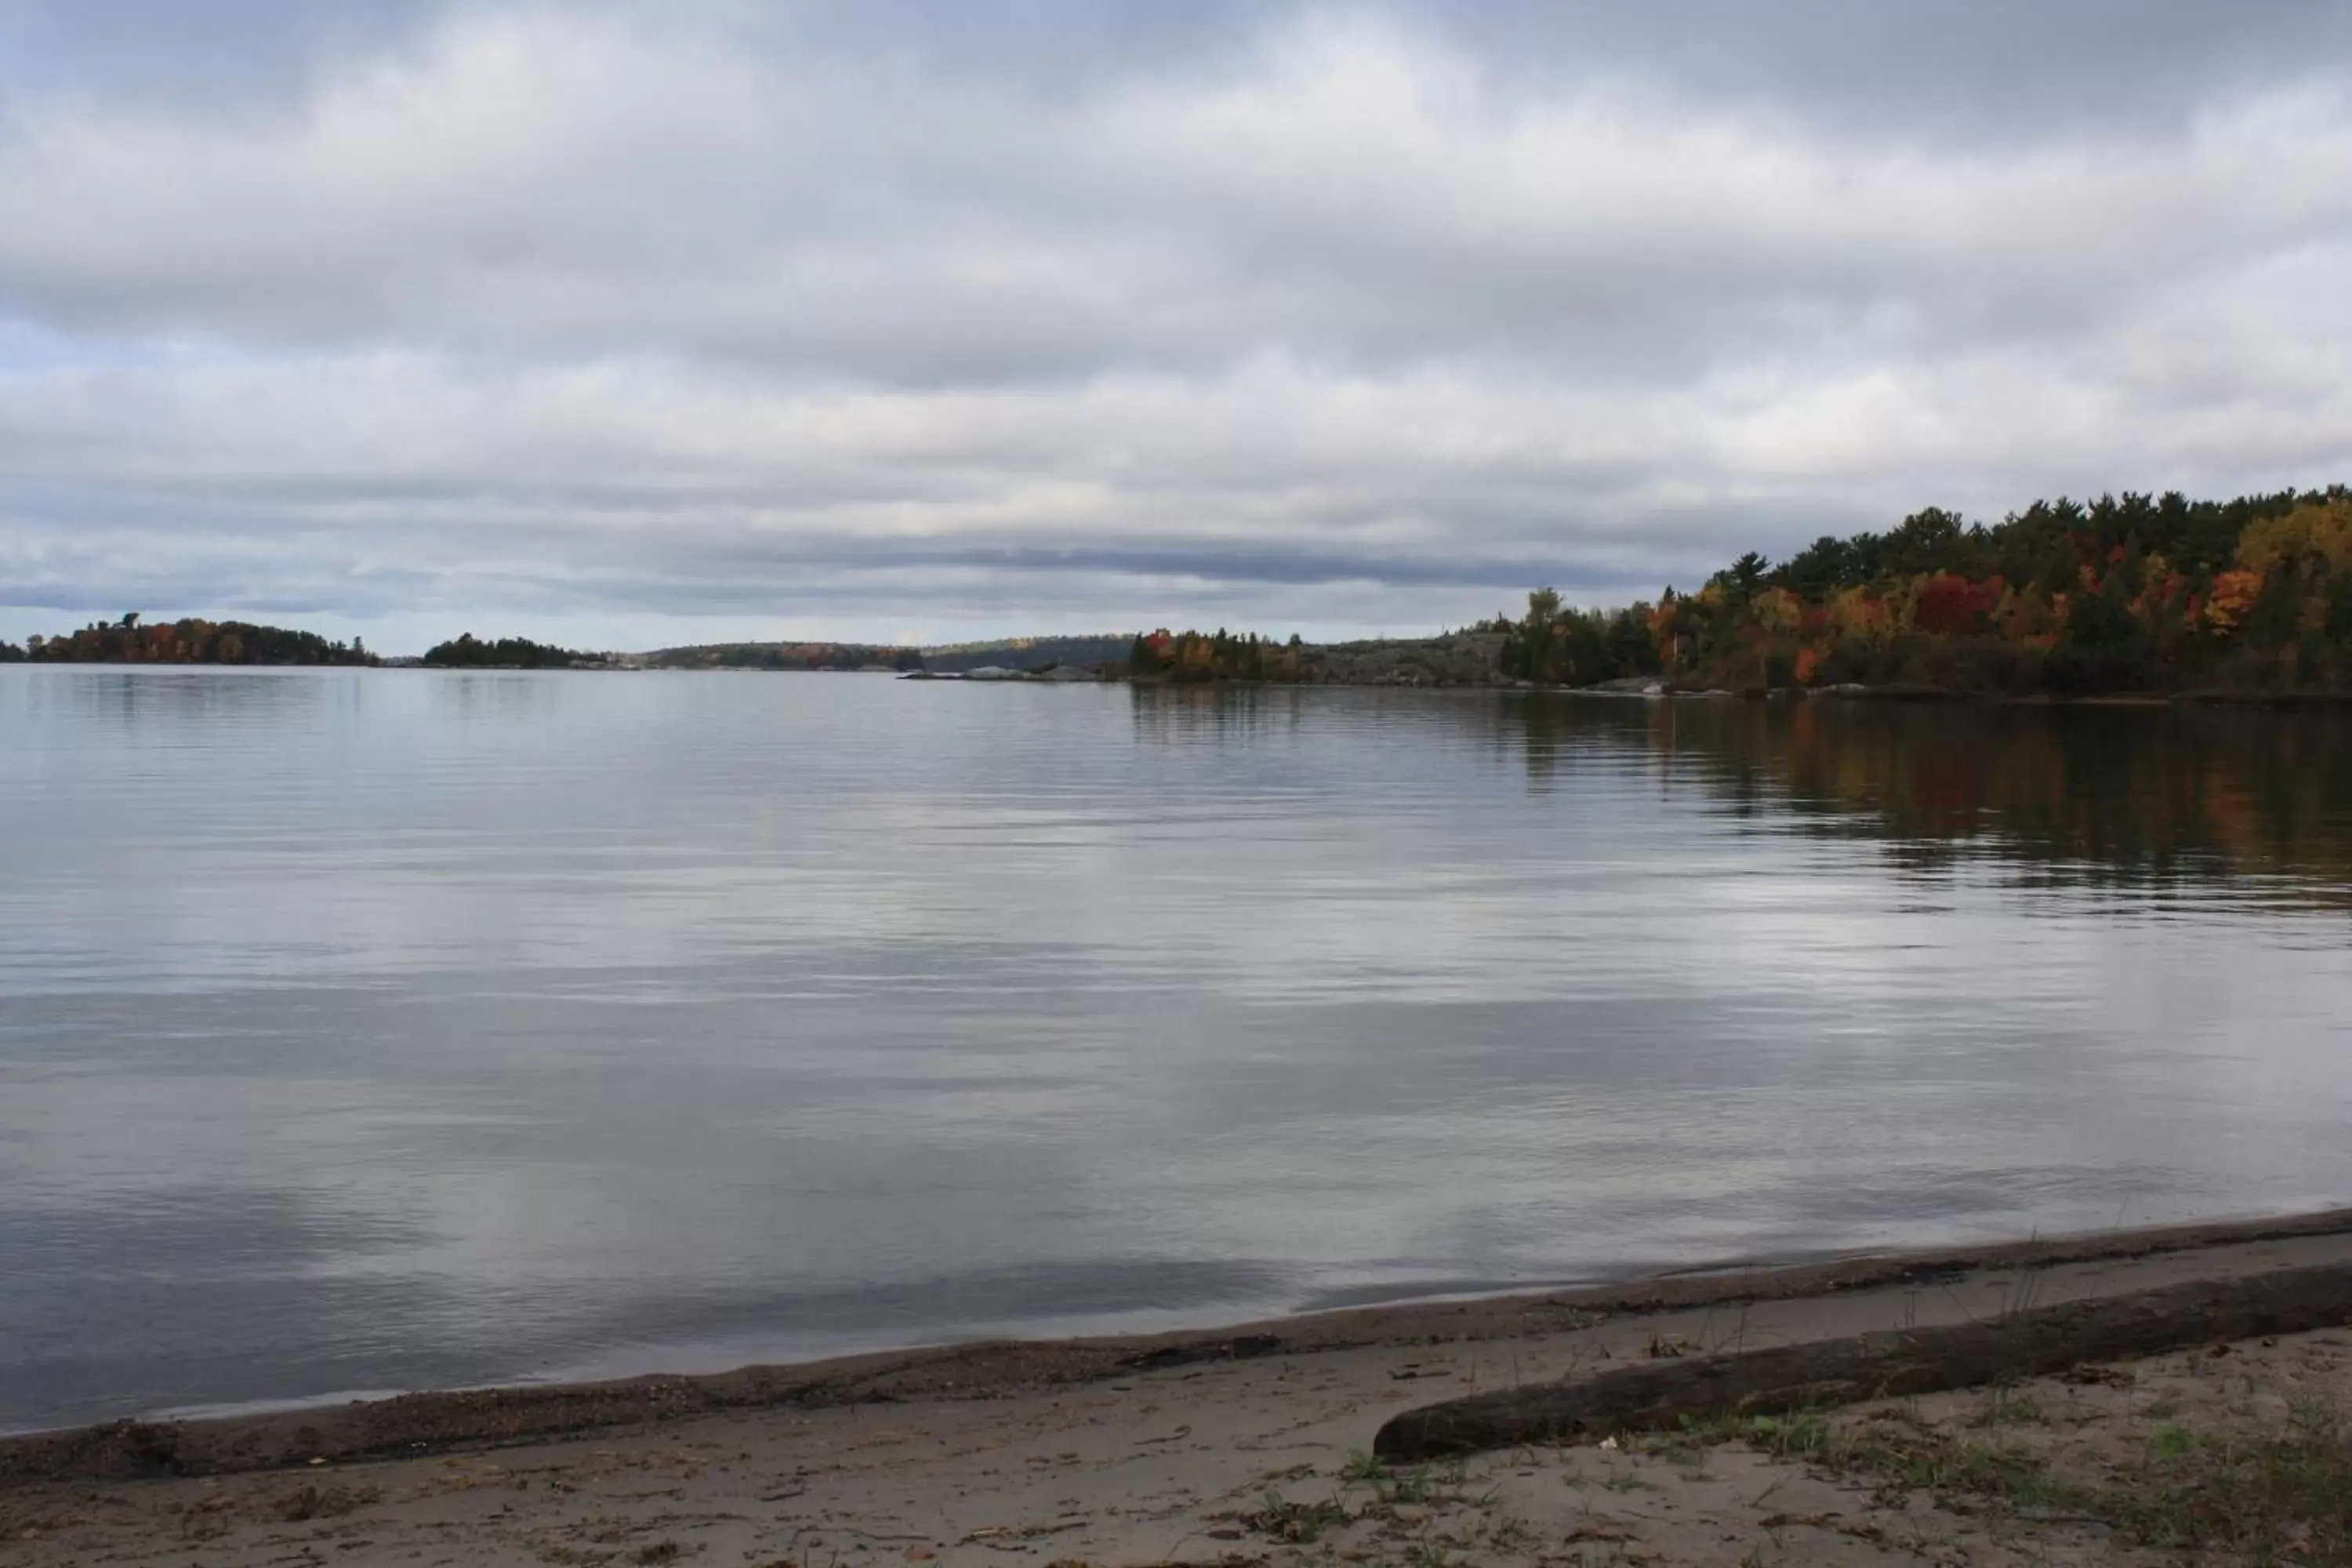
[[1890, 695]]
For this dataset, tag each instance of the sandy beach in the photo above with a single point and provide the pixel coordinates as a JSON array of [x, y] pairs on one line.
[[1249, 1445]]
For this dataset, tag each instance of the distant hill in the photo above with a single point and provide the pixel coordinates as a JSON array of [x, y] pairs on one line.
[[1193, 657], [781, 655], [1453, 659], [1028, 653], [952, 658]]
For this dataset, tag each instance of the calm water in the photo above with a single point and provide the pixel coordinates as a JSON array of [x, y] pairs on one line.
[[365, 1030]]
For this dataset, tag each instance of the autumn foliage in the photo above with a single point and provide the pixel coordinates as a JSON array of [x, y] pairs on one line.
[[192, 641], [1188, 658], [2129, 593]]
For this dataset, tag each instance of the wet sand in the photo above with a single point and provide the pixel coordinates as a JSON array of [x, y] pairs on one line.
[[1243, 1445]]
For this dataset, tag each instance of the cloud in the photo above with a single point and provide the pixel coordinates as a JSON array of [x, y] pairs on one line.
[[1340, 317]]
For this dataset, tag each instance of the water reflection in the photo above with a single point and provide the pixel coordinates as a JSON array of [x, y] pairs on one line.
[[2115, 796], [364, 1029]]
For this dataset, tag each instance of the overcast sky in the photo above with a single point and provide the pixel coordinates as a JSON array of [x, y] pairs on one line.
[[630, 324]]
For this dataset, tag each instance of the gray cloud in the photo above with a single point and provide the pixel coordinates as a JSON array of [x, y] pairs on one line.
[[917, 318]]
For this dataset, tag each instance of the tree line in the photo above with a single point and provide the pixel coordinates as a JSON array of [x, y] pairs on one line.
[[2124, 594], [2120, 594], [1186, 657], [188, 641], [467, 651]]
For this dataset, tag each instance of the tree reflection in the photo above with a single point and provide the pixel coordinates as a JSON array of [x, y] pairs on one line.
[[2122, 795]]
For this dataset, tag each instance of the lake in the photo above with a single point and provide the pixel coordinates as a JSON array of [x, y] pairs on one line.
[[374, 1029]]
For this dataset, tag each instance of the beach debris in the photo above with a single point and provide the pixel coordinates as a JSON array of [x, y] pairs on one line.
[[1241, 1347], [1892, 1364]]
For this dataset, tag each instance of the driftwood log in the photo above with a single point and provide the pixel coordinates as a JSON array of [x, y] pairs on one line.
[[1786, 1378]]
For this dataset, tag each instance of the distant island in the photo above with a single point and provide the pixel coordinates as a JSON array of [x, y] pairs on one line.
[[467, 651], [2129, 595], [190, 641]]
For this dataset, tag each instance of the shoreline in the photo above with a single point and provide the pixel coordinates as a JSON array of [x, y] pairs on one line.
[[1279, 1449], [1889, 696], [433, 1422]]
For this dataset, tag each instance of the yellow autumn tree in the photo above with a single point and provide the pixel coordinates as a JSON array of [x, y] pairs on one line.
[[2316, 528], [1859, 615], [1776, 610]]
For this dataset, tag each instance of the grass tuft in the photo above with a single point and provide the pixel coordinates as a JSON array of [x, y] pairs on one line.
[[1298, 1524], [2282, 1498], [2286, 1498]]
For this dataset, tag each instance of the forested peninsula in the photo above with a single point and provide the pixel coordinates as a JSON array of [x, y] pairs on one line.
[[2124, 594]]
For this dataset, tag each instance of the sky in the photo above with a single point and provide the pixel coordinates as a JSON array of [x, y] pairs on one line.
[[633, 324]]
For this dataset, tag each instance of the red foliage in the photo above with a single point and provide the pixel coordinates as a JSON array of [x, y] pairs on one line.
[[1951, 606]]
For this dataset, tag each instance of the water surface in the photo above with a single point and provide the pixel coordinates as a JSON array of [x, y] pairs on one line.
[[364, 1030]]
